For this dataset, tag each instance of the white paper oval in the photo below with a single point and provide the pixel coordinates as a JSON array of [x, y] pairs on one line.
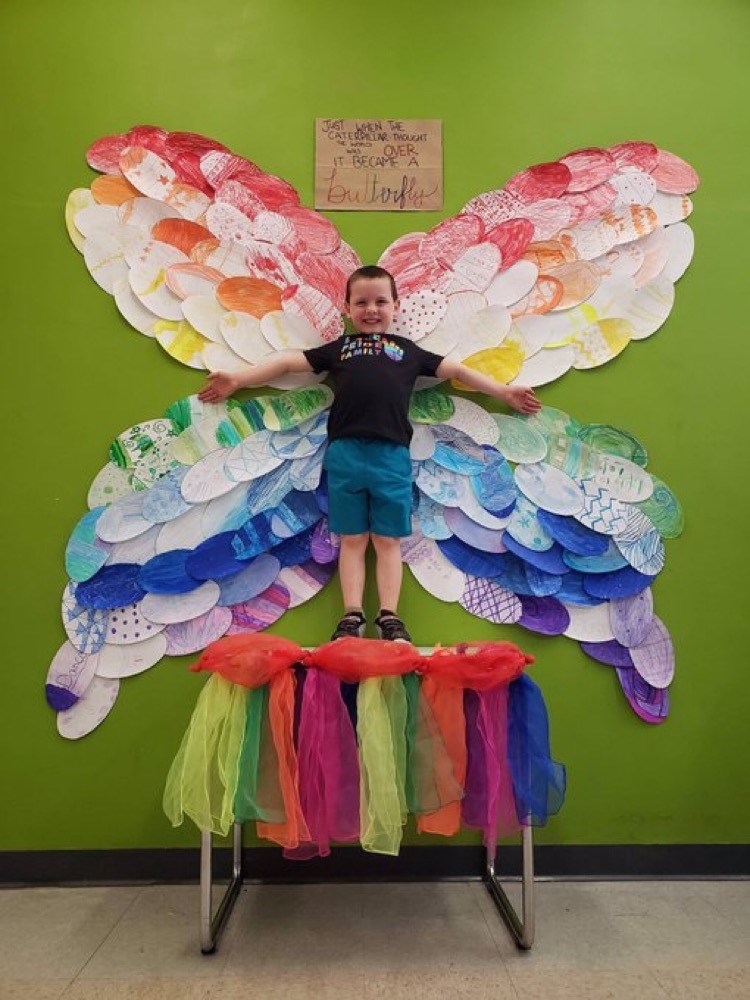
[[431, 569], [90, 711], [589, 624], [123, 520], [546, 366], [168, 609], [207, 479], [133, 658], [185, 532]]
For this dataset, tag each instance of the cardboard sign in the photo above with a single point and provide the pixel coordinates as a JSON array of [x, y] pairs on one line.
[[378, 164]]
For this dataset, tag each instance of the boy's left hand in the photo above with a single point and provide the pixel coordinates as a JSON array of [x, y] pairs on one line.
[[522, 398]]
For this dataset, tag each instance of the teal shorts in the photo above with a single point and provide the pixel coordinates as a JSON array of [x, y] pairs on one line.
[[369, 487]]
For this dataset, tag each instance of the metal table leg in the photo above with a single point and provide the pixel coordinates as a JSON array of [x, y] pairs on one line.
[[212, 925], [521, 929]]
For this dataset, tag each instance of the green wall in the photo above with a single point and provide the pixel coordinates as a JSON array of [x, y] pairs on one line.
[[515, 83]]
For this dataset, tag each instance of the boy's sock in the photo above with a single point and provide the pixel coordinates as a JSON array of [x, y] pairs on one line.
[[352, 624], [390, 627]]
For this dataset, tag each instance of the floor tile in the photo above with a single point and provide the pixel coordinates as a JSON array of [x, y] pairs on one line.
[[585, 984], [142, 988], [716, 984], [50, 933], [32, 989], [157, 937]]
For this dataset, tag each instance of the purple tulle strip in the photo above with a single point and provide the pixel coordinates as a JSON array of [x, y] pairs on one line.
[[488, 803]]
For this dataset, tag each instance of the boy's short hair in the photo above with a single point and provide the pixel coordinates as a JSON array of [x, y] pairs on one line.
[[370, 271]]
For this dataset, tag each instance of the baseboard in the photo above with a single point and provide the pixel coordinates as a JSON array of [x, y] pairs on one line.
[[579, 861]]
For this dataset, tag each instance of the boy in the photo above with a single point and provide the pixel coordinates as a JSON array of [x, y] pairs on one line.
[[368, 461]]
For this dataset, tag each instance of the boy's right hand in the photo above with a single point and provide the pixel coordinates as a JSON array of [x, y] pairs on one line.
[[220, 385]]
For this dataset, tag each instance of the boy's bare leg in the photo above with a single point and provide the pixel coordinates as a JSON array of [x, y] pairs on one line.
[[388, 570], [352, 570]]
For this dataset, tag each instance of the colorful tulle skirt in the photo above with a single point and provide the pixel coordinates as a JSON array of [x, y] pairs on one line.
[[341, 743]]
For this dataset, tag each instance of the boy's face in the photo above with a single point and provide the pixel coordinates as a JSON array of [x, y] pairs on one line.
[[371, 305]]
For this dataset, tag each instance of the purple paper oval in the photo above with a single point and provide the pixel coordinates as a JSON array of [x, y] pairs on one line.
[[610, 652], [649, 703], [543, 614], [632, 617], [654, 657]]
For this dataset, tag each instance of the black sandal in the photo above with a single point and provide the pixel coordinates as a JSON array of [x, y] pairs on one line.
[[391, 628], [352, 624]]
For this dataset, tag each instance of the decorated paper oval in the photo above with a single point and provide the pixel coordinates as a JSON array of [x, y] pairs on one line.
[[604, 437], [525, 527], [431, 569], [70, 673], [86, 552], [611, 653], [654, 657], [184, 638], [127, 625], [572, 535], [631, 617], [305, 581], [476, 535], [260, 612], [546, 615], [649, 703], [91, 710], [85, 627], [519, 441], [253, 579], [664, 511], [549, 488], [487, 599]]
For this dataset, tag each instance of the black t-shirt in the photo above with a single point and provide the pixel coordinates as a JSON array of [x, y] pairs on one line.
[[373, 375]]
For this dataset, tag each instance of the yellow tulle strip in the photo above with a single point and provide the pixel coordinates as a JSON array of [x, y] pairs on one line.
[[381, 724], [202, 781]]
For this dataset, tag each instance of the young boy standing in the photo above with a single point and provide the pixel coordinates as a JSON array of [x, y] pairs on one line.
[[367, 461]]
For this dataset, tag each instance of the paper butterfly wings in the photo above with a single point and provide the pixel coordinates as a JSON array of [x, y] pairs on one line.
[[217, 260], [212, 518]]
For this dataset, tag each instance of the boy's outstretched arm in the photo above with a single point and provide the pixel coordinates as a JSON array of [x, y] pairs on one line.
[[222, 384], [518, 397]]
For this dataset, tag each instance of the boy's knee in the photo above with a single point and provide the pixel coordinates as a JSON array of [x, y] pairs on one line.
[[355, 542], [385, 543]]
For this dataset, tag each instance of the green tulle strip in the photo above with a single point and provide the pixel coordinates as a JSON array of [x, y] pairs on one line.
[[202, 781], [252, 800], [381, 724]]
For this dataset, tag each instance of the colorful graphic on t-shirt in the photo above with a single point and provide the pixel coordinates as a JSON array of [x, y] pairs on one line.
[[371, 344], [393, 351]]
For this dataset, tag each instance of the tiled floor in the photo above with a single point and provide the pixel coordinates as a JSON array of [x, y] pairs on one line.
[[639, 940]]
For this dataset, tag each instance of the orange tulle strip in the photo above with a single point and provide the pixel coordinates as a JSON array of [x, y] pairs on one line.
[[249, 659], [476, 665], [447, 704], [353, 659], [293, 830]]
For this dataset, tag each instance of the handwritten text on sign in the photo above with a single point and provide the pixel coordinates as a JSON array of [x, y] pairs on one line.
[[378, 164]]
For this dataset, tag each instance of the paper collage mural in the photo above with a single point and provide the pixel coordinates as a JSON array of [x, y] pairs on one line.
[[211, 518]]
